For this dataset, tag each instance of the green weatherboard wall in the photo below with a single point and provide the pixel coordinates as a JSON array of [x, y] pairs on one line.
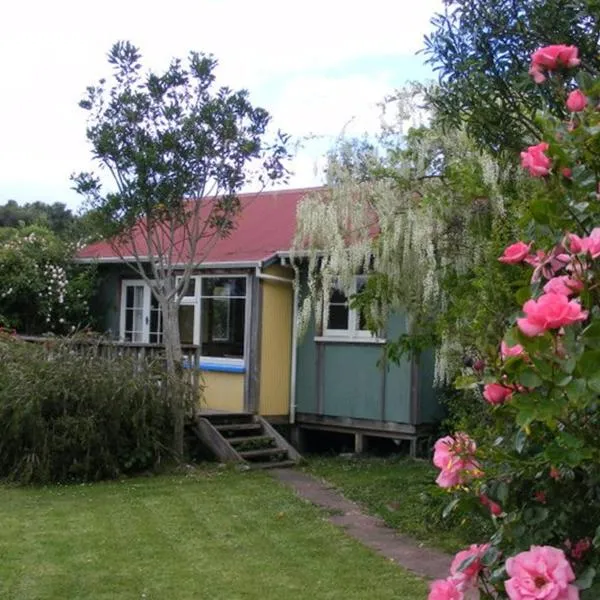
[[341, 379]]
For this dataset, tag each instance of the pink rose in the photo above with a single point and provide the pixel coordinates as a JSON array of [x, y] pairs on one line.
[[535, 161], [515, 253], [592, 243], [445, 589], [586, 245], [471, 572], [575, 243], [566, 172], [576, 101], [541, 573], [493, 507], [581, 547], [455, 457], [496, 393], [535, 260], [549, 311], [565, 285], [506, 350], [556, 56], [537, 73], [547, 265]]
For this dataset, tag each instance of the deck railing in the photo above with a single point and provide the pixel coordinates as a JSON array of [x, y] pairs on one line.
[[113, 349]]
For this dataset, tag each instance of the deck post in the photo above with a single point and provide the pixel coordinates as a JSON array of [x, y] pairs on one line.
[[297, 436], [413, 447], [359, 443]]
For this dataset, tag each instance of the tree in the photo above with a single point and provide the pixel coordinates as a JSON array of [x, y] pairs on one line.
[[481, 50], [57, 217], [421, 212], [178, 151]]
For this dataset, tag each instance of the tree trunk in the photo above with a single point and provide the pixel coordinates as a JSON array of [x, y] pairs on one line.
[[174, 358]]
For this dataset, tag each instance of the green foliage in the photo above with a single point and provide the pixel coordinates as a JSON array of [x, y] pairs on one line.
[[539, 450], [481, 50], [41, 289], [56, 217], [69, 412]]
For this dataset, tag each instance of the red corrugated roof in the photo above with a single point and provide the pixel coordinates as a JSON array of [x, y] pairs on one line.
[[264, 227]]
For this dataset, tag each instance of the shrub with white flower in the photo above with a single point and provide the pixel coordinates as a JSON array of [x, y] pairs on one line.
[[41, 290]]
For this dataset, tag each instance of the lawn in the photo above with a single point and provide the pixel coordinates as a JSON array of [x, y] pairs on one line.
[[215, 534], [403, 492]]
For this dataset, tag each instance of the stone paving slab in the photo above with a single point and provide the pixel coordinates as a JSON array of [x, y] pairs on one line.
[[370, 531]]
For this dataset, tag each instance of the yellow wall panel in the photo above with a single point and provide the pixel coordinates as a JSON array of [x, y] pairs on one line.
[[223, 391], [276, 343]]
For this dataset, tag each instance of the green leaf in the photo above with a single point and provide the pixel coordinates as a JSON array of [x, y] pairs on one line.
[[576, 389], [596, 540], [589, 363], [568, 365], [511, 337], [564, 381], [529, 378], [465, 382], [520, 440], [591, 335], [586, 579], [594, 383], [539, 211], [523, 294], [490, 556], [450, 507], [501, 492], [498, 574], [534, 515]]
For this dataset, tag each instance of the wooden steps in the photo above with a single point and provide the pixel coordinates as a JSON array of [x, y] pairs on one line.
[[244, 438]]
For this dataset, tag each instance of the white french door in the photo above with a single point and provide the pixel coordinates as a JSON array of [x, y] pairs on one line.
[[141, 318]]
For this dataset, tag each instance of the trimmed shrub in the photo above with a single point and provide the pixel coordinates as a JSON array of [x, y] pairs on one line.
[[71, 411]]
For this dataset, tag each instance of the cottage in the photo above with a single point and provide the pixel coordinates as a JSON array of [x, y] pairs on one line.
[[240, 309]]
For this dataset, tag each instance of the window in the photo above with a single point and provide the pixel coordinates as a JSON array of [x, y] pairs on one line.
[[141, 318], [212, 314], [343, 321], [223, 317]]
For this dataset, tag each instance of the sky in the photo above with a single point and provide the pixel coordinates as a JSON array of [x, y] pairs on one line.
[[318, 66]]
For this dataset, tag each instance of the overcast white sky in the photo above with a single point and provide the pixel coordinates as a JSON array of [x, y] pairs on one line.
[[314, 64]]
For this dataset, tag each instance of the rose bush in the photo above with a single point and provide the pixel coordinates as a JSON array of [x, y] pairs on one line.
[[537, 472]]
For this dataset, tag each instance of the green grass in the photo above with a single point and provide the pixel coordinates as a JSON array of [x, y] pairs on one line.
[[403, 492], [217, 534]]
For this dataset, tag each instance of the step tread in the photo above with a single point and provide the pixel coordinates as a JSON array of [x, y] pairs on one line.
[[262, 452], [250, 438], [238, 426], [272, 464]]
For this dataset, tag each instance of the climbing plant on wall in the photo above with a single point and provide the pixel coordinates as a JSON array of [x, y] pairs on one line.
[[421, 212]]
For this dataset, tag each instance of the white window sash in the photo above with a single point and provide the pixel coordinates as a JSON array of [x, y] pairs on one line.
[[353, 331]]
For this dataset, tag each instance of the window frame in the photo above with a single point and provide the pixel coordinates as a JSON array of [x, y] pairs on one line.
[[196, 302], [352, 333]]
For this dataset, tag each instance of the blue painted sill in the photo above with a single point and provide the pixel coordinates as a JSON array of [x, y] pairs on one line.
[[206, 365]]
